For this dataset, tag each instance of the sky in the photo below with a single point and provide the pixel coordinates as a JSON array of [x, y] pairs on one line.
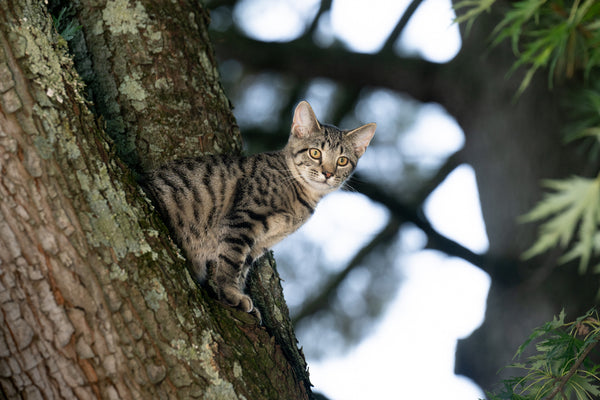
[[441, 299], [410, 353]]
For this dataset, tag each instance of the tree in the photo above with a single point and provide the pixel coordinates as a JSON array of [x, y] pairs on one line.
[[96, 300], [512, 142]]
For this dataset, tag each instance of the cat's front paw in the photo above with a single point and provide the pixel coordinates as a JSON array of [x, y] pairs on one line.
[[239, 300]]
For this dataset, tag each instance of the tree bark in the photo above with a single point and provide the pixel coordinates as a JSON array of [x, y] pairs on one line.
[[95, 300], [152, 76]]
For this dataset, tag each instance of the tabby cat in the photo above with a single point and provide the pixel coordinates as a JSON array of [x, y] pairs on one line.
[[226, 211]]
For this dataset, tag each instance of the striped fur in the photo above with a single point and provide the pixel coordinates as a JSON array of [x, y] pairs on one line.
[[226, 211]]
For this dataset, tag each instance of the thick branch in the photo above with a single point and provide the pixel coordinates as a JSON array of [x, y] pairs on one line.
[[305, 60], [415, 215]]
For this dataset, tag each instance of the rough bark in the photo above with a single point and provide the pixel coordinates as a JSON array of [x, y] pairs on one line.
[[95, 301], [150, 70]]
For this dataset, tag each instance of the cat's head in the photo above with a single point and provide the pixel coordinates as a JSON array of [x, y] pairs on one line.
[[325, 156]]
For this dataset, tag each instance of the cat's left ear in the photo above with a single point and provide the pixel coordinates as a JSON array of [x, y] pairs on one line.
[[361, 137]]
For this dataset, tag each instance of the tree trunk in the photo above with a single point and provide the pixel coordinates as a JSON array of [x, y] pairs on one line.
[[95, 300]]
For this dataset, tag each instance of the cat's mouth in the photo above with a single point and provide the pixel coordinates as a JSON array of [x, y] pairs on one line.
[[323, 183], [318, 181]]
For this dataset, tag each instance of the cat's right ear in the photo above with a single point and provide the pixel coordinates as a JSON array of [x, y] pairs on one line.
[[361, 137], [305, 121]]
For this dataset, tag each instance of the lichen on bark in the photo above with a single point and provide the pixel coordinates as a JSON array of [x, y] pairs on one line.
[[158, 103], [95, 299]]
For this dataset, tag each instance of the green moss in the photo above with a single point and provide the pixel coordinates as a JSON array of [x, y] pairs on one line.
[[222, 391], [162, 83], [218, 388], [44, 147], [72, 148], [112, 218], [184, 351], [237, 370]]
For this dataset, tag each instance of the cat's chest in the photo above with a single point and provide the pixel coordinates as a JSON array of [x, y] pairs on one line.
[[286, 212], [299, 217], [291, 214]]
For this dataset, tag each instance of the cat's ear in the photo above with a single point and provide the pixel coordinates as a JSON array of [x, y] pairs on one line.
[[361, 137], [305, 122]]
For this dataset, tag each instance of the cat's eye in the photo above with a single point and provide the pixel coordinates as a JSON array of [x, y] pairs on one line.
[[342, 161], [315, 153]]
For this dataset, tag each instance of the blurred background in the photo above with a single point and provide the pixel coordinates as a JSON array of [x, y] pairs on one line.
[[388, 283]]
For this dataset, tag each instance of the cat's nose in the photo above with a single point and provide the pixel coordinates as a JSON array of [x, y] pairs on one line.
[[327, 174]]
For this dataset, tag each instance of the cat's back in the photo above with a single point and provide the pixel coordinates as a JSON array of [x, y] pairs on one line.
[[188, 175], [192, 192], [201, 189]]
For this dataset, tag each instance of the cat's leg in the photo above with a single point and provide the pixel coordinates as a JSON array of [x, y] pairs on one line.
[[231, 269], [195, 244]]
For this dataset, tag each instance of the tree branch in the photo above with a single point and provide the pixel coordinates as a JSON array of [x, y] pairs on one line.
[[303, 59], [572, 371], [329, 290], [408, 213], [393, 37], [325, 6], [400, 213], [428, 187], [346, 99]]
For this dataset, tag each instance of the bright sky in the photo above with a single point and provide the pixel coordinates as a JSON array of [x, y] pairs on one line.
[[442, 299], [410, 355]]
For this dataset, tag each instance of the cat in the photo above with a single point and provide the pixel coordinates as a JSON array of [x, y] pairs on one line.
[[226, 211]]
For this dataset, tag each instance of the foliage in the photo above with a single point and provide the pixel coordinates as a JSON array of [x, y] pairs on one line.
[[584, 106], [65, 25], [471, 9], [562, 37], [560, 367], [574, 206]]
